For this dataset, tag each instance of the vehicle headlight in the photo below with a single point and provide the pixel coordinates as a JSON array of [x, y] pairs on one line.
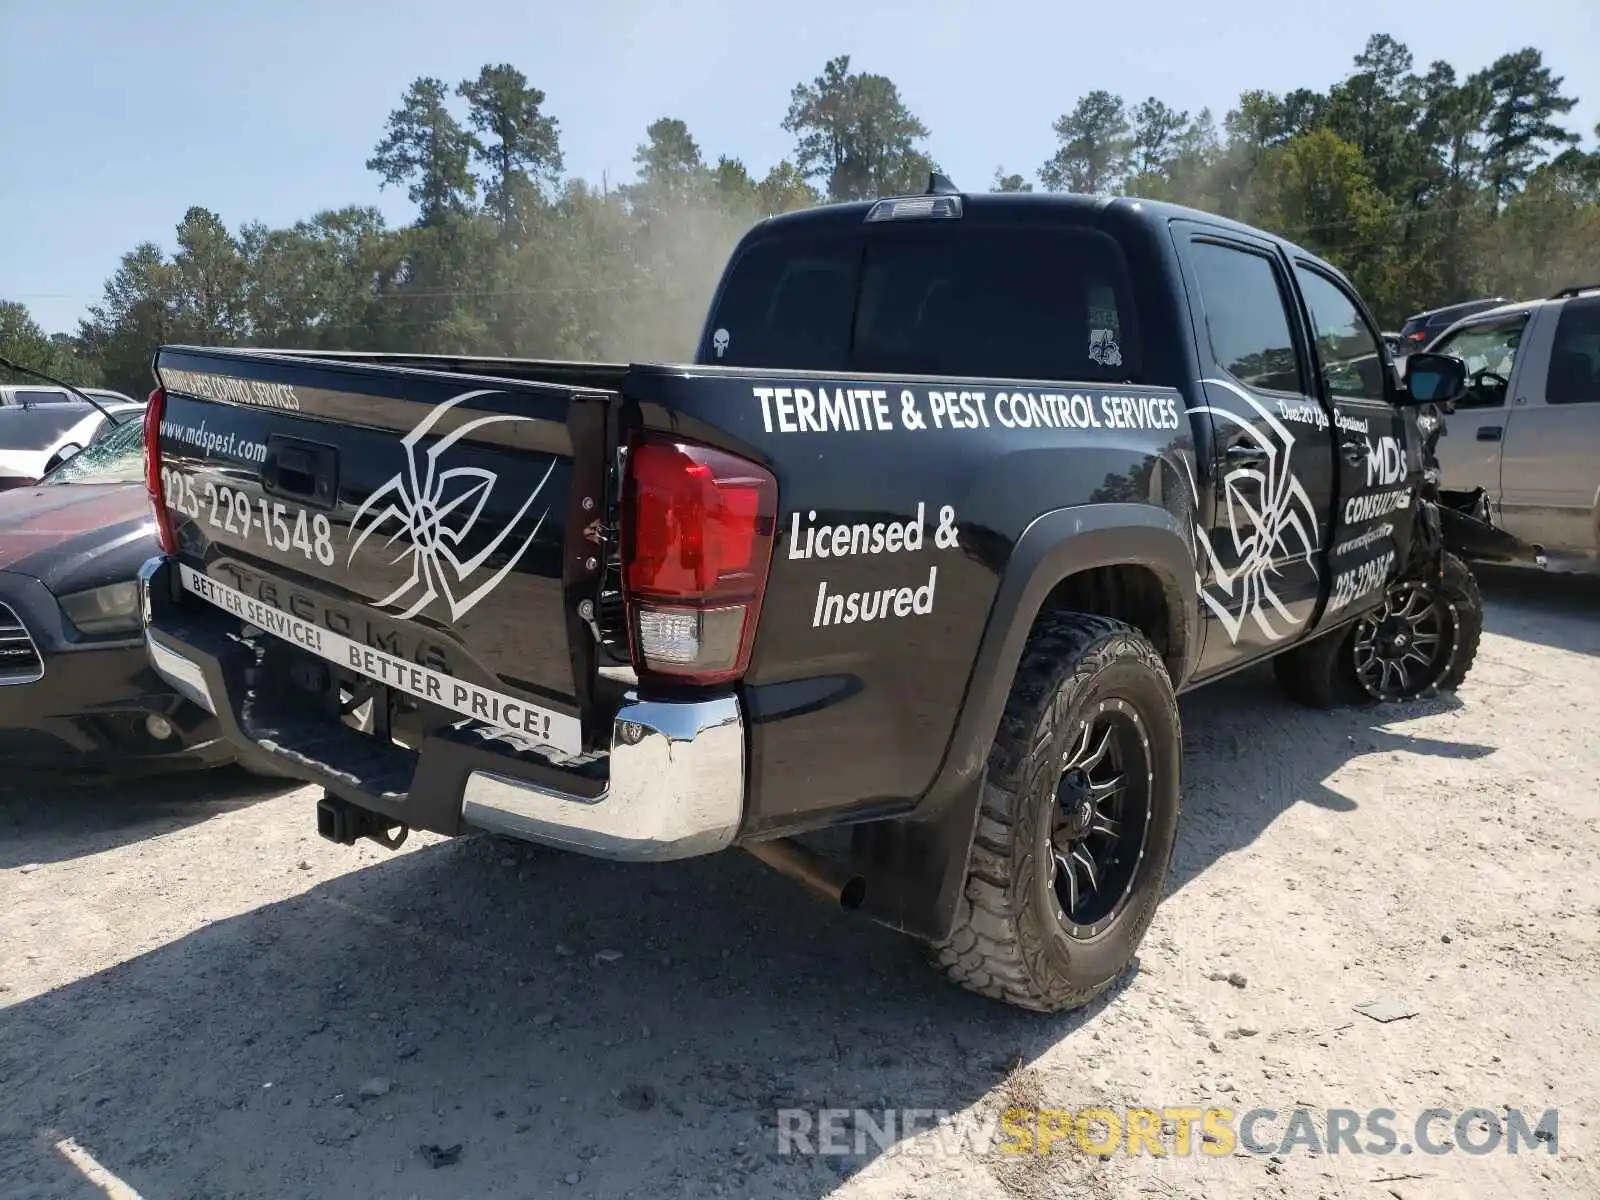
[[110, 609]]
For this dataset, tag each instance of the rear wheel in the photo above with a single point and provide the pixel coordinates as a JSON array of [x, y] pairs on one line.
[[1079, 818], [1320, 673]]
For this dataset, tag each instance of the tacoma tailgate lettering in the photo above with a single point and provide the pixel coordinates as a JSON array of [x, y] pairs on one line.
[[557, 730]]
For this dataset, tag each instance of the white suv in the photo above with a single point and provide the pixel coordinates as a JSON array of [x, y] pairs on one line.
[[1528, 429]]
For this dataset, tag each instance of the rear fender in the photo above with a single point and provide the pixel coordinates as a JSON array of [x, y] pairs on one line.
[[915, 866]]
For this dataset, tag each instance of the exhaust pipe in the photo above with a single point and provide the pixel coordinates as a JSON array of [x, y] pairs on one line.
[[829, 881]]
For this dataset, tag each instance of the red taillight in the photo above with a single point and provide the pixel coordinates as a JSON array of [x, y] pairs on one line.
[[166, 534], [698, 527], [1418, 336]]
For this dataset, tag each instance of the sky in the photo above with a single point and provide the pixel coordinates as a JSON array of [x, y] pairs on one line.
[[116, 117]]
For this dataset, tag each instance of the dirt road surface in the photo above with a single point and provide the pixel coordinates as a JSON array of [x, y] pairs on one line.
[[201, 999]]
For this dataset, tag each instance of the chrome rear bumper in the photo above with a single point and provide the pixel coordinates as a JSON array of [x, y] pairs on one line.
[[676, 788], [674, 785]]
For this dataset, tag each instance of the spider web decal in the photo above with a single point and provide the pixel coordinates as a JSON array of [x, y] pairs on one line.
[[1269, 517], [434, 510]]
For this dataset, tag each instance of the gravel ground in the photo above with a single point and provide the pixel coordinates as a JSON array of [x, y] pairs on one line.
[[201, 999]]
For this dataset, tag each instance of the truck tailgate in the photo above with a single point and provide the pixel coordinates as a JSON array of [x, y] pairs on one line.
[[429, 530]]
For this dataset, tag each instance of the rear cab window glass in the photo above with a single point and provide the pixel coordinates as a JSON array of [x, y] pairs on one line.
[[1025, 303], [29, 396], [788, 303], [1575, 360], [1246, 319]]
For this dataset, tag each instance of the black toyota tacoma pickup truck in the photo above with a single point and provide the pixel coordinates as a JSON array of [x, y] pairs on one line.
[[959, 492]]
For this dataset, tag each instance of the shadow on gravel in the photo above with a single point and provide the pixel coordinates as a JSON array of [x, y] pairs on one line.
[[483, 1019], [1250, 754], [1560, 611], [470, 987], [48, 818]]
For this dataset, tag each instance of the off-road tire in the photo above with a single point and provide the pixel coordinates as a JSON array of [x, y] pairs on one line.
[[1321, 673], [1007, 943], [1458, 587]]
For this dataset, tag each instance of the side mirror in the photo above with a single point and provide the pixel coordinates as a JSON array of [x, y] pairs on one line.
[[1434, 379]]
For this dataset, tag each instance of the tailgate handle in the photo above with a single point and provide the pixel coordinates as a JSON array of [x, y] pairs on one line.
[[307, 471]]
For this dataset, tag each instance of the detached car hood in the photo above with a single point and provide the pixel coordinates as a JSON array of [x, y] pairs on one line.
[[74, 535]]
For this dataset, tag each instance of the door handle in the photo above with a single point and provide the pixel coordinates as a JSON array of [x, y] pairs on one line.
[[1241, 454], [1355, 451], [1489, 433]]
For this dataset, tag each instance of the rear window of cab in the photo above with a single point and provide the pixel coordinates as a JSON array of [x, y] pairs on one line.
[[1018, 303]]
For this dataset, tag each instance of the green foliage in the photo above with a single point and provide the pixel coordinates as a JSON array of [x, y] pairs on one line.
[[1156, 133], [1095, 147], [26, 344], [856, 133], [426, 149], [514, 140], [1524, 100], [1426, 188]]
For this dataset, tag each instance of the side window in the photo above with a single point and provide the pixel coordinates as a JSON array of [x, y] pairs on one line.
[[1575, 361], [1246, 320], [1347, 349], [1490, 350], [43, 396]]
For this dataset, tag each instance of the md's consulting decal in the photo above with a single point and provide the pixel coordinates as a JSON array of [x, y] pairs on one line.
[[1388, 469], [845, 409], [432, 510], [809, 540]]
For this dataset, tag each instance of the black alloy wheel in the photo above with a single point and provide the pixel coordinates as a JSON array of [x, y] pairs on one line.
[[1403, 648], [1102, 818]]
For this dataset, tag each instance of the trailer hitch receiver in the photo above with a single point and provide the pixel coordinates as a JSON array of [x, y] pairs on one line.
[[340, 821]]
